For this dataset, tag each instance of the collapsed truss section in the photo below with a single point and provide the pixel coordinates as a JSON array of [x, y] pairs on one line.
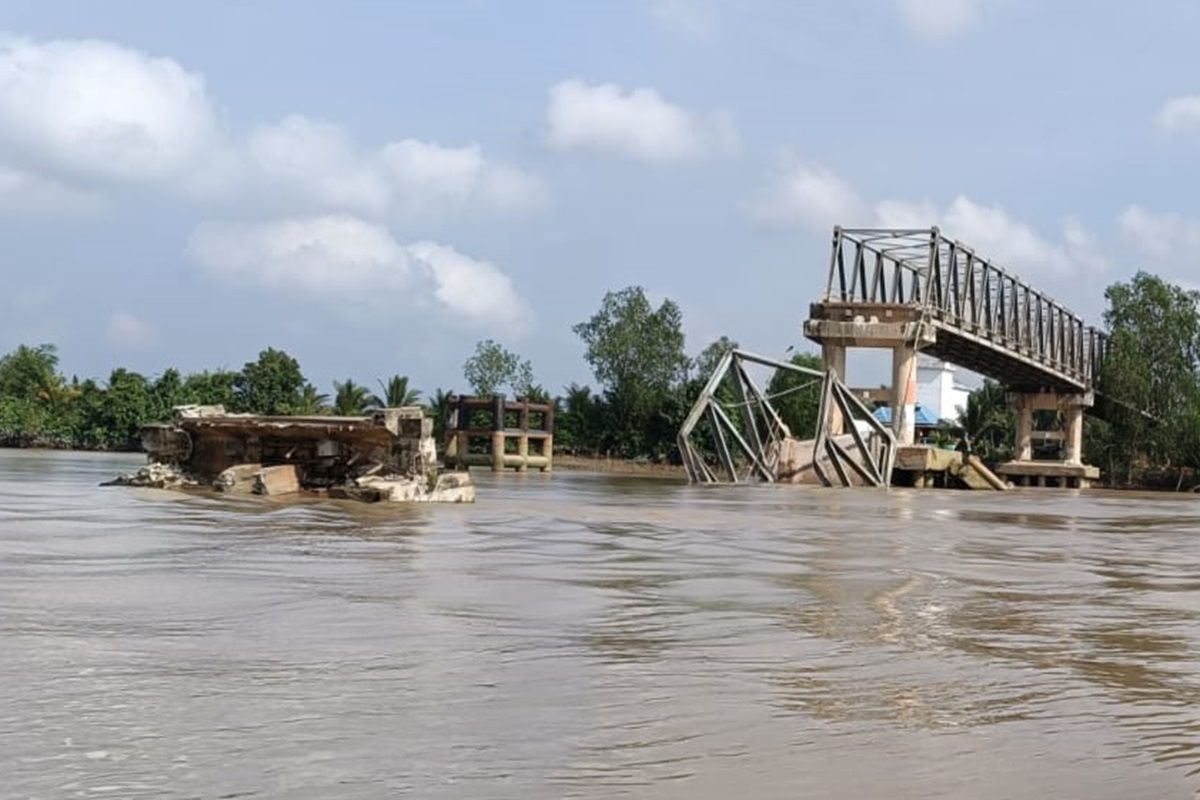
[[748, 440]]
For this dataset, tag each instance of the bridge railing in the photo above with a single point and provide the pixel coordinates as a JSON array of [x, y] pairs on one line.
[[951, 283]]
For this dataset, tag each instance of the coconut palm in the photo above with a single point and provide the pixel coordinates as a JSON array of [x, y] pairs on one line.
[[396, 393], [350, 398], [312, 402]]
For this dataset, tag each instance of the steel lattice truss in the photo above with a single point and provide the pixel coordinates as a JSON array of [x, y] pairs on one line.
[[982, 307], [747, 437]]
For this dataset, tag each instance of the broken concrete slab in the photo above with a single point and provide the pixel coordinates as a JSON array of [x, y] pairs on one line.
[[278, 480], [283, 455], [238, 479]]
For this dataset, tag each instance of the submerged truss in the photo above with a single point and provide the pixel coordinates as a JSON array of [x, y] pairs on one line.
[[754, 446]]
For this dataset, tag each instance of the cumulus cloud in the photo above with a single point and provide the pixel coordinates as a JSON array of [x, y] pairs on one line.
[[1160, 236], [358, 265], [813, 197], [78, 117], [1180, 115], [126, 330], [808, 195], [95, 109], [30, 193], [637, 123], [938, 19]]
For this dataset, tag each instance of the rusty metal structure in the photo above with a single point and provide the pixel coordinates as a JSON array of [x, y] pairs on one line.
[[749, 441]]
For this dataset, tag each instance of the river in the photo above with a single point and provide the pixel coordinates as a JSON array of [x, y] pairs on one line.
[[594, 636]]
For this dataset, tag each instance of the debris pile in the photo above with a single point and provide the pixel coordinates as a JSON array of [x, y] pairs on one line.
[[388, 455]]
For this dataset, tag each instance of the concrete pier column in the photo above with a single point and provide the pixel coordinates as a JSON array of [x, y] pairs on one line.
[[1074, 441], [1024, 429], [904, 393], [833, 356], [498, 433], [523, 451]]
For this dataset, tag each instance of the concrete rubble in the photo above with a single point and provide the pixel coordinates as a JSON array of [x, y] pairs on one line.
[[388, 455]]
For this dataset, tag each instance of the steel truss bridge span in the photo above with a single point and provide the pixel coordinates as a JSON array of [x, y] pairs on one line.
[[959, 306]]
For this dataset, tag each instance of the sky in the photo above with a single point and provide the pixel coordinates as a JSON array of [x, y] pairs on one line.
[[374, 187]]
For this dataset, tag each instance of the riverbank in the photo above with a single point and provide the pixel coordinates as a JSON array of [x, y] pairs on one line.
[[618, 466]]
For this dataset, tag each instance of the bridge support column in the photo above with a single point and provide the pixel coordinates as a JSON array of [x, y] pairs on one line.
[[833, 356], [1024, 428], [904, 393], [1073, 446]]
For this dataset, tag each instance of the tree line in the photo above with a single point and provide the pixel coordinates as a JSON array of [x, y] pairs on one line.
[[1148, 391]]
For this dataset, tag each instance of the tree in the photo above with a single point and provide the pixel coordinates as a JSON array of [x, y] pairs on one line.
[[797, 397], [705, 364], [988, 422], [271, 385], [1149, 373], [211, 388], [492, 367], [350, 398], [312, 401], [31, 373], [636, 353], [396, 393]]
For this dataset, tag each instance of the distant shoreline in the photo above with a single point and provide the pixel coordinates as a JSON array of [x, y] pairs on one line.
[[617, 466]]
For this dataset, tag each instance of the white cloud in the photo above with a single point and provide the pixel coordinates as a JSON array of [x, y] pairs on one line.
[[810, 196], [94, 109], [306, 163], [126, 330], [813, 197], [693, 19], [28, 192], [937, 19], [314, 161], [358, 266], [1160, 236], [78, 117], [429, 174], [1180, 115], [637, 123]]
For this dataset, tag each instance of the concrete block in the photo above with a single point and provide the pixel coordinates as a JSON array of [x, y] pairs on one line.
[[238, 479], [277, 480]]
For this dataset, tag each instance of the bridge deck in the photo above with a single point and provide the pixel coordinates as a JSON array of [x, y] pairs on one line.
[[962, 308]]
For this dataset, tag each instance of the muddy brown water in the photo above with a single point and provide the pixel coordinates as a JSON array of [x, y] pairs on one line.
[[593, 636]]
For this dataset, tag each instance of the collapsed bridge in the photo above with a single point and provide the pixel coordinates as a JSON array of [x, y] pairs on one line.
[[913, 290]]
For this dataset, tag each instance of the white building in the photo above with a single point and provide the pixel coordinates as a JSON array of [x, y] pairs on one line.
[[938, 391]]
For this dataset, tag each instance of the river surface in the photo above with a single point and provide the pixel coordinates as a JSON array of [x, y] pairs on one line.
[[593, 636]]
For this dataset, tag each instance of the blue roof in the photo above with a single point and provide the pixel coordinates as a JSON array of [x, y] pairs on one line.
[[924, 417]]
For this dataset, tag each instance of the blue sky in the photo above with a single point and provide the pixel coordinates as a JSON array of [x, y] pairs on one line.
[[376, 186]]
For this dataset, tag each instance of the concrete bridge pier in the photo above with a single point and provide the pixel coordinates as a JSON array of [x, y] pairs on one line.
[[1023, 470], [904, 393], [895, 328]]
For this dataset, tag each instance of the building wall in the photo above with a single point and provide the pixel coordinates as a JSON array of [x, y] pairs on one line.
[[936, 389]]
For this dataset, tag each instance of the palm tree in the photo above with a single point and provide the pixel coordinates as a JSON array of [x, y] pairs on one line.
[[396, 393], [312, 402], [350, 399], [987, 420], [437, 407]]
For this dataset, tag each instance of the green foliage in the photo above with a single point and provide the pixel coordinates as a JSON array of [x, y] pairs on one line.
[[350, 398], [492, 367], [211, 388], [1151, 367], [31, 372], [988, 422], [396, 393], [797, 397], [273, 384], [312, 401], [636, 353]]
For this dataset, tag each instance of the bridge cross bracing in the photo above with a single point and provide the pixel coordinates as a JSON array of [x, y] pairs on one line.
[[957, 305]]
